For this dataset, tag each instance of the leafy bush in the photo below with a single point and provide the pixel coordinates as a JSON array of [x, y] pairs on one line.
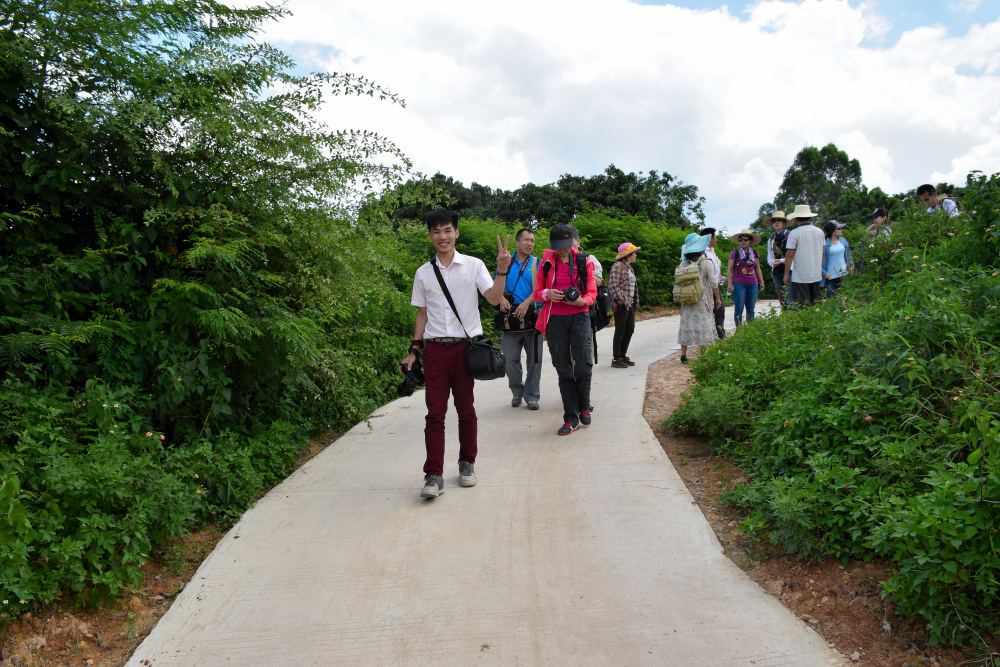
[[875, 417], [180, 257]]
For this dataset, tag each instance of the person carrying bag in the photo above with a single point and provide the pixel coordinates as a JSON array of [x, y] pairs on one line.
[[515, 319], [565, 322], [446, 293]]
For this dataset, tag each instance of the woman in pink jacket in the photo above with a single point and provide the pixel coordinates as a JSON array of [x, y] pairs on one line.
[[565, 285]]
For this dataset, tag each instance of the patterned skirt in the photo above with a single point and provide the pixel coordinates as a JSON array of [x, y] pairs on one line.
[[697, 323]]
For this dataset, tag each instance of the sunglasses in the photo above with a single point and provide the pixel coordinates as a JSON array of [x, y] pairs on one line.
[[745, 238]]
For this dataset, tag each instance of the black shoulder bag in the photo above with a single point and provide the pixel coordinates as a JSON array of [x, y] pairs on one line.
[[506, 321], [483, 359]]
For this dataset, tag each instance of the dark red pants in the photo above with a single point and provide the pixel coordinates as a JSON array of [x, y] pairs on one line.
[[445, 372]]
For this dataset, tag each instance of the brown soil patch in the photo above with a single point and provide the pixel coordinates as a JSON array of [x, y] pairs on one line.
[[64, 634], [843, 604], [648, 313]]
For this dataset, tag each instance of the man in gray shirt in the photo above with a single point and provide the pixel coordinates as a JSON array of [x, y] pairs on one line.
[[804, 257]]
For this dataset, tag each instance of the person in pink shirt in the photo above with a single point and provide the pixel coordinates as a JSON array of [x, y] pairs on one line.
[[565, 286]]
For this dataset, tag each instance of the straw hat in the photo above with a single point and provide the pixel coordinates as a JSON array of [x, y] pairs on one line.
[[802, 211], [746, 232], [778, 215], [626, 249]]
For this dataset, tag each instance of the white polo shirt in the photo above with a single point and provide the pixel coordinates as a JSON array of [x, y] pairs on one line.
[[464, 278]]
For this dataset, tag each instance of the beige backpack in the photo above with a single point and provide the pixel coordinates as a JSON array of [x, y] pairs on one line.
[[687, 282]]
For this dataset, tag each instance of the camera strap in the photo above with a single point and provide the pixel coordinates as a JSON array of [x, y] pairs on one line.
[[447, 295], [520, 273]]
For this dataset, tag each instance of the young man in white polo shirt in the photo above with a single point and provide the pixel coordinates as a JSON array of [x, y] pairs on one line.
[[444, 337]]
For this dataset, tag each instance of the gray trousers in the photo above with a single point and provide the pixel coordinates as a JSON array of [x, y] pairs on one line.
[[512, 343]]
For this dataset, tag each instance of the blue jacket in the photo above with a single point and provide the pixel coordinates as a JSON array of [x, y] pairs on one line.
[[826, 257]]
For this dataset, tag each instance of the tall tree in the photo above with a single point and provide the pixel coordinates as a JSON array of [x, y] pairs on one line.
[[818, 177]]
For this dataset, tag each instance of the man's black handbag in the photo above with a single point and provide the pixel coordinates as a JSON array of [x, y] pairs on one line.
[[506, 321], [483, 359]]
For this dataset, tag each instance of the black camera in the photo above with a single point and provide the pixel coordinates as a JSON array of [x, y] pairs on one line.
[[509, 296], [413, 378], [571, 294]]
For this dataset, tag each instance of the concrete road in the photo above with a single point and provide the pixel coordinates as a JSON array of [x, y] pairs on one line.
[[578, 550]]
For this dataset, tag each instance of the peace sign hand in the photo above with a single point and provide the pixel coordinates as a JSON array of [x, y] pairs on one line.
[[503, 255]]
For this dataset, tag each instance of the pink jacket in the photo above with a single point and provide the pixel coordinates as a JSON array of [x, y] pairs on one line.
[[543, 282]]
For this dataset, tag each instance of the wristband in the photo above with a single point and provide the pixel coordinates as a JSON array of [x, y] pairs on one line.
[[416, 343], [501, 275]]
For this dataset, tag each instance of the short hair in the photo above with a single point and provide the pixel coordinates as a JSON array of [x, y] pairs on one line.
[[441, 217], [693, 256], [574, 232], [926, 189], [517, 237], [829, 228]]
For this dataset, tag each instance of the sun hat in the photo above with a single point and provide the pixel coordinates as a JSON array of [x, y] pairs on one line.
[[696, 245], [879, 213], [777, 215], [626, 249], [746, 232], [690, 237], [802, 211], [561, 237]]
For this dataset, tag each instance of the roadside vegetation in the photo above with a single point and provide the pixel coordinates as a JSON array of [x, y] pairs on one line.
[[195, 276], [870, 425]]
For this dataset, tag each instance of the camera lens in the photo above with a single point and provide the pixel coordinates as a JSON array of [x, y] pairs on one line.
[[572, 294]]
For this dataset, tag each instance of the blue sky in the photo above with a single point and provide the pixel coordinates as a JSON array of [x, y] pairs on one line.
[[956, 15]]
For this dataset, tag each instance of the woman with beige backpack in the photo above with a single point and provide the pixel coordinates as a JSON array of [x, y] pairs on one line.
[[698, 296]]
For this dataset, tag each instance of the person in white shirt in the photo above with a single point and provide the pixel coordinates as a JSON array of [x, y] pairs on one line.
[[720, 310], [444, 335], [804, 257], [929, 196]]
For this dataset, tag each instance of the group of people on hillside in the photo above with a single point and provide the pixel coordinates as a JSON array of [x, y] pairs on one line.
[[805, 260], [551, 297]]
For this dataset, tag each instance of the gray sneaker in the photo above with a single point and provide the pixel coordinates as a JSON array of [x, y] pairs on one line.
[[466, 474], [532, 405], [515, 402], [433, 486]]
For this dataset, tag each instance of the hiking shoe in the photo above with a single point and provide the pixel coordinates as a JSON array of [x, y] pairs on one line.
[[433, 486], [585, 417], [628, 361], [619, 363], [568, 428], [684, 359], [532, 405], [466, 474], [515, 402]]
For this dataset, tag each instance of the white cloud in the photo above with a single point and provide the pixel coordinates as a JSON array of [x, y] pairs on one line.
[[965, 5], [527, 90]]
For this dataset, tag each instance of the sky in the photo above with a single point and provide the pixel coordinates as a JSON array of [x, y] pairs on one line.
[[719, 95]]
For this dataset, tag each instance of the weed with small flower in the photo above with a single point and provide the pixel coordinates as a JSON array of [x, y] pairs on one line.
[[871, 424]]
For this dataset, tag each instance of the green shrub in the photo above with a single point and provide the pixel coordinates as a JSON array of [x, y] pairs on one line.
[[874, 418]]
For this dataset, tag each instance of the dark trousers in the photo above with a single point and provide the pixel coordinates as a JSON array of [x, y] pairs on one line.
[[720, 320], [805, 294], [832, 286], [779, 287], [568, 338], [624, 328], [445, 373]]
